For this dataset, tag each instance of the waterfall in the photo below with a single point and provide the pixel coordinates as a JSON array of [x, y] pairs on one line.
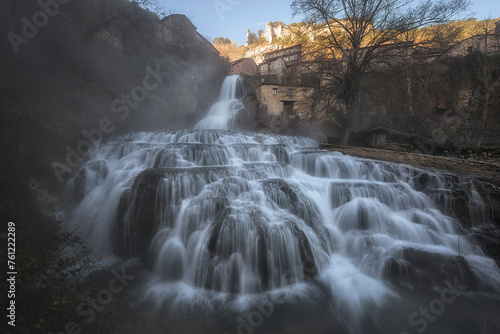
[[244, 214], [225, 112]]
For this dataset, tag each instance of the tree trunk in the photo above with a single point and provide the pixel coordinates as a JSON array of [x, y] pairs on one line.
[[351, 110], [313, 112], [484, 119]]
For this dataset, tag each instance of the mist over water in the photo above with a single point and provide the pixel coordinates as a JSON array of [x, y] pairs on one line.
[[224, 113], [227, 222]]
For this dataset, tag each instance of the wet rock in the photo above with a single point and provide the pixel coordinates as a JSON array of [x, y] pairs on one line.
[[489, 190], [290, 198], [488, 237], [229, 255], [421, 269], [79, 185], [136, 222]]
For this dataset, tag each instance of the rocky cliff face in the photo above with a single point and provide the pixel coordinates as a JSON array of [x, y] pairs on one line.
[[114, 37], [74, 74], [277, 31]]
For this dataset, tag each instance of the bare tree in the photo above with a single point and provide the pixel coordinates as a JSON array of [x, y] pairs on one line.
[[484, 99], [154, 6], [354, 38]]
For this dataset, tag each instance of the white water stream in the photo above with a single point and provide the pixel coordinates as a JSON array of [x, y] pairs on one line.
[[241, 214]]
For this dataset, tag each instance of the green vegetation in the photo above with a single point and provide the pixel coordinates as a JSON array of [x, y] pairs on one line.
[[276, 24], [221, 40]]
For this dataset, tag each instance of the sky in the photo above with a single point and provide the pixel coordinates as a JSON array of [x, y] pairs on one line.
[[232, 18]]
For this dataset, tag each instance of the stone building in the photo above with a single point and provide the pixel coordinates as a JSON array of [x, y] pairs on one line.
[[280, 87], [280, 66], [487, 44], [289, 55], [174, 30], [244, 66], [177, 29], [288, 100], [258, 53]]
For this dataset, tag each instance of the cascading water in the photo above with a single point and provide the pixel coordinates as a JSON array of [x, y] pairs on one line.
[[222, 217], [224, 113]]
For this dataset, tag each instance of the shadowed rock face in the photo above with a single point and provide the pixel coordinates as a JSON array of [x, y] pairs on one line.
[[227, 224], [154, 202], [136, 222], [139, 214], [289, 197], [424, 270]]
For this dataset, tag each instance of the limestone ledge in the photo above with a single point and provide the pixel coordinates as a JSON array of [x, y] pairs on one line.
[[462, 166]]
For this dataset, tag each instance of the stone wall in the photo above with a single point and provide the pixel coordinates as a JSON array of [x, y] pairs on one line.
[[275, 68], [174, 30], [480, 43], [258, 53], [458, 165], [179, 30], [244, 66], [485, 154], [289, 55], [275, 96], [394, 141]]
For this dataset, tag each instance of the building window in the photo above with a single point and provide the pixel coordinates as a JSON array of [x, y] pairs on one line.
[[275, 91], [304, 91], [290, 91], [469, 49]]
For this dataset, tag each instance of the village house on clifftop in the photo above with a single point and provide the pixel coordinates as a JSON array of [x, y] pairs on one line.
[[484, 43], [244, 66], [179, 30]]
